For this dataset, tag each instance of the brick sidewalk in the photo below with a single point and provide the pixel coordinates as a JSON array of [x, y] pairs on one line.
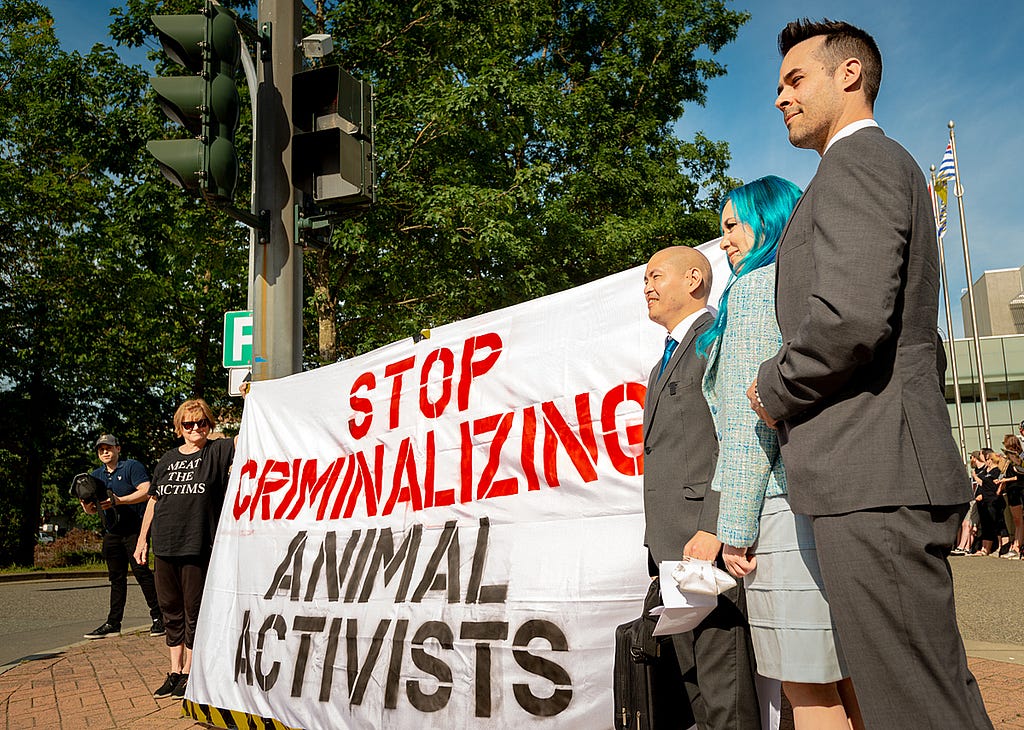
[[109, 684], [106, 683]]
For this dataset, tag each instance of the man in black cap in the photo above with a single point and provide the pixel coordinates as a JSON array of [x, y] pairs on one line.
[[128, 486]]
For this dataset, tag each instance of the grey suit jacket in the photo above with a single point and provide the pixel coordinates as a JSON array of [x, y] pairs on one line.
[[680, 451], [855, 383]]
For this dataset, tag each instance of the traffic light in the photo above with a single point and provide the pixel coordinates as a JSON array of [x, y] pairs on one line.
[[332, 149], [206, 103]]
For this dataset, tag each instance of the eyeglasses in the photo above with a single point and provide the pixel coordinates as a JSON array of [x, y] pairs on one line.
[[192, 425]]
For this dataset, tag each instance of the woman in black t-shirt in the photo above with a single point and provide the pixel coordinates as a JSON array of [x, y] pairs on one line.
[[1012, 483], [185, 499], [990, 502]]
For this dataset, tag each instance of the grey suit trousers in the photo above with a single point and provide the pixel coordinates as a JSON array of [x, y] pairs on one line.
[[889, 584], [722, 699]]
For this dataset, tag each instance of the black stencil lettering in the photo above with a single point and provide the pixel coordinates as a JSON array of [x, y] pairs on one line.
[[385, 555], [346, 557], [542, 667], [359, 677], [491, 593], [326, 561], [357, 569], [307, 626], [266, 681], [327, 679], [432, 580], [292, 559], [242, 662], [433, 666], [482, 632], [395, 665]]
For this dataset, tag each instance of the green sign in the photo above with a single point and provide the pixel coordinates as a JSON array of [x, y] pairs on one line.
[[238, 339]]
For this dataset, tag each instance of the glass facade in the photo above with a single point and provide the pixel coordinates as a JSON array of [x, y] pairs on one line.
[[1002, 361]]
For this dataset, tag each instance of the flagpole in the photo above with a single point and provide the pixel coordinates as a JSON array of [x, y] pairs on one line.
[[949, 325], [958, 189]]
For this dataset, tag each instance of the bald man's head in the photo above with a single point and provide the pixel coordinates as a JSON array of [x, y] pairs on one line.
[[677, 283]]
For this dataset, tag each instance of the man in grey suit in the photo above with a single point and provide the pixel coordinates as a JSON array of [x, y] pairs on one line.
[[855, 392], [680, 450]]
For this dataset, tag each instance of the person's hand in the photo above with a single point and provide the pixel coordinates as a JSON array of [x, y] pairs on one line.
[[140, 552], [756, 406], [88, 507], [978, 498], [703, 546], [738, 561]]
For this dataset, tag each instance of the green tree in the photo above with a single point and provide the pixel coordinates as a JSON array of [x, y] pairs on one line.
[[114, 285], [523, 147]]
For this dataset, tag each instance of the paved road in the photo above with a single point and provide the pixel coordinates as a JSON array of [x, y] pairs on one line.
[[989, 597], [37, 616]]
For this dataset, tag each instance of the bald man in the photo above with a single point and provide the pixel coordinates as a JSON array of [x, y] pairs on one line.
[[680, 450]]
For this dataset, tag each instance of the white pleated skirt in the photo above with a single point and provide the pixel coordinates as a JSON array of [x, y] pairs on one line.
[[790, 622]]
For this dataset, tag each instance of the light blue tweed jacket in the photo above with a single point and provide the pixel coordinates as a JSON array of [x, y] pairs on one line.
[[749, 464]]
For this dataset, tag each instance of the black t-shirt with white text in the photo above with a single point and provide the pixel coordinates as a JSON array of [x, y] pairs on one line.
[[189, 491]]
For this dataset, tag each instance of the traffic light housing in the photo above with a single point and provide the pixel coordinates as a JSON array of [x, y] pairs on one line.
[[332, 149], [206, 103]]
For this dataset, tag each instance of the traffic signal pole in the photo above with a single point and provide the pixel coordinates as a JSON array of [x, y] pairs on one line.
[[276, 286]]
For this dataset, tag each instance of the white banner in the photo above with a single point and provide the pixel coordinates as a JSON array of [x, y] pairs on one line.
[[440, 534]]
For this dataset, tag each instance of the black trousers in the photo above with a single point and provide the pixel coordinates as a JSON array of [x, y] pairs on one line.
[[117, 551], [179, 583]]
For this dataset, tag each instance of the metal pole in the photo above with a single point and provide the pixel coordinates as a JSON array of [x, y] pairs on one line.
[[277, 285], [949, 326], [959, 191], [252, 81]]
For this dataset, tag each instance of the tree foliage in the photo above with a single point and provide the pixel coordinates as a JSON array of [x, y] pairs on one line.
[[114, 284], [522, 147]]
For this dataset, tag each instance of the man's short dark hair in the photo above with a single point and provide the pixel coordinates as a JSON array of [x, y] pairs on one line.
[[842, 41]]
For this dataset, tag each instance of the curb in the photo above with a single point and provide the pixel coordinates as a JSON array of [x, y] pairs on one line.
[[43, 575]]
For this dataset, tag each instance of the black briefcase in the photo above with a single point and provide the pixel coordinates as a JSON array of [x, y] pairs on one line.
[[648, 686]]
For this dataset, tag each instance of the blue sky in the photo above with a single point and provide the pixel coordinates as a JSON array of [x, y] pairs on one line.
[[943, 60]]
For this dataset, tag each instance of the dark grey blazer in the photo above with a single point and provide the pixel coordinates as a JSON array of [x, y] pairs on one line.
[[680, 450], [855, 383]]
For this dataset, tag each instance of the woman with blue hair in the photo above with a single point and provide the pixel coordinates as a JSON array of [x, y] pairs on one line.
[[763, 542]]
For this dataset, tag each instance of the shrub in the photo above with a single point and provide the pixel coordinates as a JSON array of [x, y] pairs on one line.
[[78, 547]]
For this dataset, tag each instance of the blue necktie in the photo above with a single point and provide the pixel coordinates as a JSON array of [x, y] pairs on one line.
[[670, 347]]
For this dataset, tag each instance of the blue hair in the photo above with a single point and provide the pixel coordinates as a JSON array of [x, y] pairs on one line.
[[764, 205]]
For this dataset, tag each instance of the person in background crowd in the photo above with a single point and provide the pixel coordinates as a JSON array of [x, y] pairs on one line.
[[128, 486], [1013, 488], [990, 502], [185, 499], [764, 543], [858, 373], [970, 525]]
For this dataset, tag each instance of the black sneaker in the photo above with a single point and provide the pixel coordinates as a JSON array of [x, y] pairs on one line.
[[179, 688], [167, 688], [157, 629], [104, 631]]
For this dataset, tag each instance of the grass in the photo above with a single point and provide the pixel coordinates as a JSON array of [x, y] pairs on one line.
[[95, 564]]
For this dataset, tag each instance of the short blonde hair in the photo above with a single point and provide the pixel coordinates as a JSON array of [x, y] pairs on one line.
[[192, 407]]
